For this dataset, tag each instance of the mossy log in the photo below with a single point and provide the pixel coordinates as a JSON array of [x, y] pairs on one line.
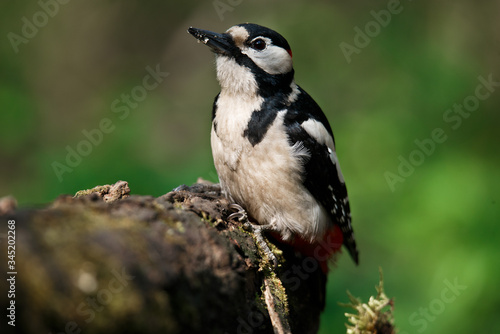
[[107, 262]]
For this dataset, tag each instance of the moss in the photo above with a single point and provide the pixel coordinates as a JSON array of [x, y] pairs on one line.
[[99, 189], [375, 316], [279, 294]]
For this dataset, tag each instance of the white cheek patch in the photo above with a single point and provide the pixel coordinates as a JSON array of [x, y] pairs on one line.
[[273, 59], [318, 131]]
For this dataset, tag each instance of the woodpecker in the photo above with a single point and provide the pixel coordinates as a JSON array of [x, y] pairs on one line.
[[272, 145]]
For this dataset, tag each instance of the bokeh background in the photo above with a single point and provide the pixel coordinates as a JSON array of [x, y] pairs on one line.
[[436, 226]]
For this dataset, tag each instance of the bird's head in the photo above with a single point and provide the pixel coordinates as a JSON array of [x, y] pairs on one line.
[[250, 59]]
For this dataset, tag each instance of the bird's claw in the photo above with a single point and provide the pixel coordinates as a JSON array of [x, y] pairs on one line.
[[239, 213]]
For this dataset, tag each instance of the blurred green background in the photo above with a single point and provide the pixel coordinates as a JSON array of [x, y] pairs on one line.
[[434, 225]]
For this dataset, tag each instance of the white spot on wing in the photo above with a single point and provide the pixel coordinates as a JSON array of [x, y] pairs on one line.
[[318, 131]]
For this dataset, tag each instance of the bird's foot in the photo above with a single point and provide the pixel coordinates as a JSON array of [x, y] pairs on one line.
[[258, 230]]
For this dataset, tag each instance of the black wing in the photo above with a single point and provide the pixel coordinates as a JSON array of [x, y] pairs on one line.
[[321, 177]]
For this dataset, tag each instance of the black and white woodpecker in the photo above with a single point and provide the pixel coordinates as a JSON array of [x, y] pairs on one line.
[[272, 145]]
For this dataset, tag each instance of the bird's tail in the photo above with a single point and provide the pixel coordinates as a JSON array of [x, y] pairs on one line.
[[350, 244]]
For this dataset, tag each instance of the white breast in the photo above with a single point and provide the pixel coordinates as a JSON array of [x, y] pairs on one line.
[[232, 117], [266, 178]]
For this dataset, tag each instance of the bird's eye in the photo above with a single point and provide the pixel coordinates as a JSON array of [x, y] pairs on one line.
[[258, 44]]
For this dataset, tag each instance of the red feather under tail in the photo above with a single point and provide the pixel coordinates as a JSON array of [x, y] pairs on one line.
[[323, 251]]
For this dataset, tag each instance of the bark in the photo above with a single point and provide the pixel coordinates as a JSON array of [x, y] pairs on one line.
[[107, 262]]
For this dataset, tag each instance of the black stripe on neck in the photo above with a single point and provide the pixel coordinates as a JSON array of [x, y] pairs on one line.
[[261, 120]]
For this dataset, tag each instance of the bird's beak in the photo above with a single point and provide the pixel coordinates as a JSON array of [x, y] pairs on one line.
[[219, 43]]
